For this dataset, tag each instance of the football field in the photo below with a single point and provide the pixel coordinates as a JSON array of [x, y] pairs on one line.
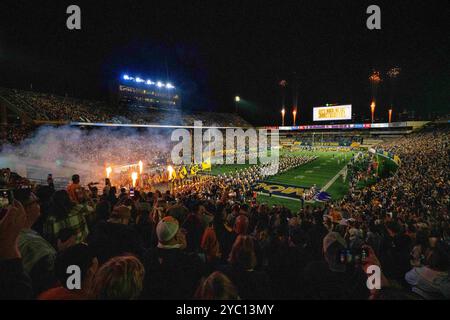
[[322, 172], [317, 172]]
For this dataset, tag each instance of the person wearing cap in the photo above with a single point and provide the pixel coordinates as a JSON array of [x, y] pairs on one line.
[[332, 277], [171, 272], [115, 237]]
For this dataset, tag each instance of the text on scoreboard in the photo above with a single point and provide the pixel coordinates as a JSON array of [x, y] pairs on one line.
[[343, 112]]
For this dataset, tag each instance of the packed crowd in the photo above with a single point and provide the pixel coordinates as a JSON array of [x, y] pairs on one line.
[[42, 106], [15, 133], [310, 139], [204, 241], [49, 107]]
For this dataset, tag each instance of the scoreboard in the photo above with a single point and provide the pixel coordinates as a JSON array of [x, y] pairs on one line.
[[343, 112]]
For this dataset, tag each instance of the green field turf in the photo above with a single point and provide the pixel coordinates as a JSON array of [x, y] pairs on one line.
[[318, 172], [338, 189]]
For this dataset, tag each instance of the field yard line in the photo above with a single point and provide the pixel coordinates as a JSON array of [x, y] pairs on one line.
[[329, 183]]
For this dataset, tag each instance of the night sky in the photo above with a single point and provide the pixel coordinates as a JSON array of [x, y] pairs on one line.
[[215, 50]]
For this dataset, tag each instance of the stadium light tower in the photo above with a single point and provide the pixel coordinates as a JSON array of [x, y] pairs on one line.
[[283, 112], [236, 101]]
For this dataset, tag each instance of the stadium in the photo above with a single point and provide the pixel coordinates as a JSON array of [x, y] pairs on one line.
[[152, 197]]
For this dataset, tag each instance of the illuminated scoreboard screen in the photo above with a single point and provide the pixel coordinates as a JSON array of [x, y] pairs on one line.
[[331, 113]]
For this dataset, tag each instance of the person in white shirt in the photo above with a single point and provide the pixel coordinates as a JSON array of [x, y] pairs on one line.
[[431, 281]]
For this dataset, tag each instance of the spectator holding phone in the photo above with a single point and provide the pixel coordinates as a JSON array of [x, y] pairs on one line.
[[334, 278]]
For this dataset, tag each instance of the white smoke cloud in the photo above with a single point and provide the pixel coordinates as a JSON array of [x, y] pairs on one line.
[[67, 150]]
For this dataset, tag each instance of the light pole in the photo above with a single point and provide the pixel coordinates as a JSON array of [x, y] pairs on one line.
[[283, 112], [236, 101]]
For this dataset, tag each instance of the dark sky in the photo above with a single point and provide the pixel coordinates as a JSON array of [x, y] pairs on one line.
[[214, 50]]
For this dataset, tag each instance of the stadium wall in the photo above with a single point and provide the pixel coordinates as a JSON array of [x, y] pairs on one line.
[[387, 163]]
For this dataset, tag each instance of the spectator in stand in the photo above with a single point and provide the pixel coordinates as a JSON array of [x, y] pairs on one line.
[[44, 193], [115, 236], [78, 255], [420, 249], [111, 197], [333, 279], [395, 252], [217, 238], [171, 272], [14, 280], [241, 223], [217, 287], [432, 281], [38, 255], [252, 284], [74, 189], [65, 214], [194, 228], [102, 210], [286, 264], [120, 278]]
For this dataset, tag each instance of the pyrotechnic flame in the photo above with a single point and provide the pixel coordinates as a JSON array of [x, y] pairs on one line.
[[170, 169], [375, 77], [108, 171], [134, 176], [141, 166], [393, 72]]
